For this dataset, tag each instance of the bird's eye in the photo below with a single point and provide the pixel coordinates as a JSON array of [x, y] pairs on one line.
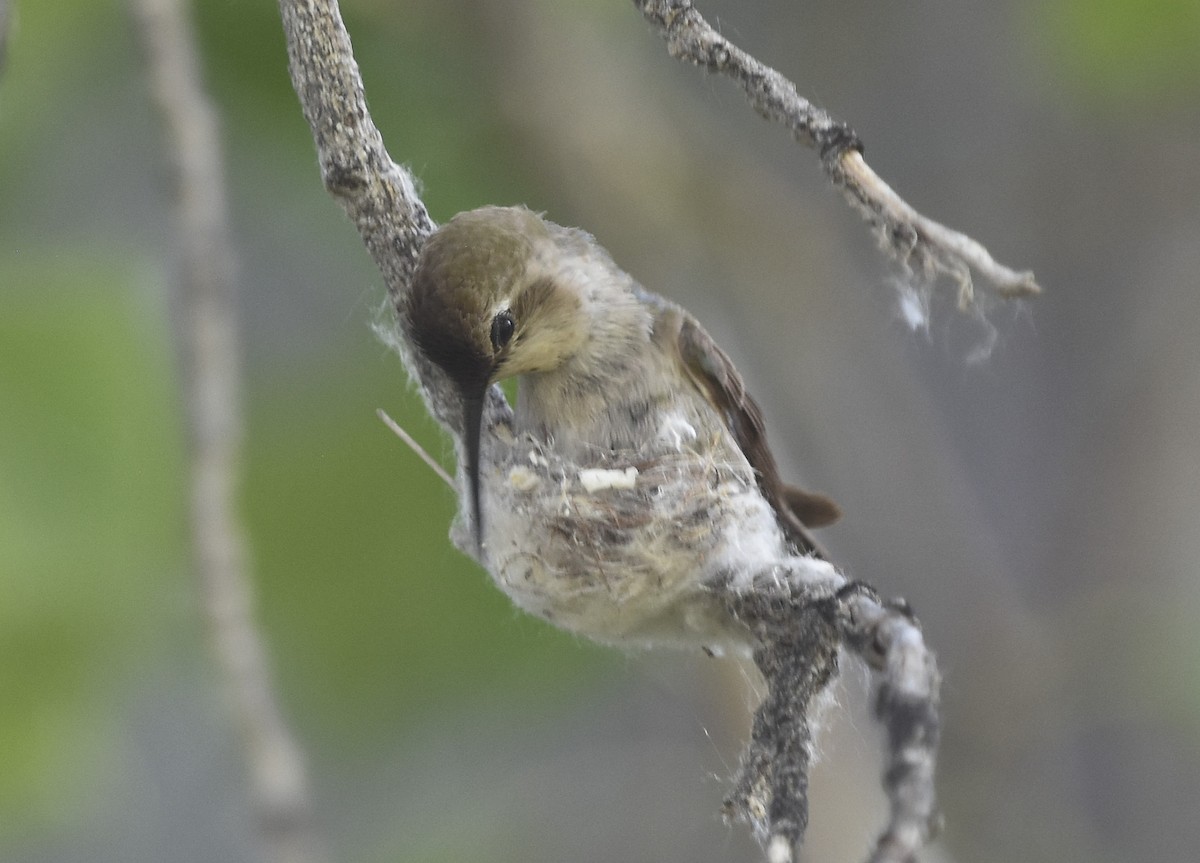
[[502, 329]]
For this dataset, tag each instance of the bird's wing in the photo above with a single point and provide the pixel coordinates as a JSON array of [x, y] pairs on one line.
[[713, 373]]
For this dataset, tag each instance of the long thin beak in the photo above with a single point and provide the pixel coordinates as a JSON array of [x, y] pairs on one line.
[[472, 421]]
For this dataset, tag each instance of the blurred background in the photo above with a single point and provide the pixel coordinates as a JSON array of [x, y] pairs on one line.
[[1039, 509]]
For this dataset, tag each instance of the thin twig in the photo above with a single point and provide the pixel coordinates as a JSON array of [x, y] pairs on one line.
[[919, 244], [278, 783], [399, 432]]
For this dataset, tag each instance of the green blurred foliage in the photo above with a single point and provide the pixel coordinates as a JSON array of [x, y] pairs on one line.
[[1123, 51], [90, 499], [374, 616], [40, 36], [373, 620], [446, 129]]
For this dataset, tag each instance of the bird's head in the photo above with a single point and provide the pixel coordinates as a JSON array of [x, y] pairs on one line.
[[490, 300]]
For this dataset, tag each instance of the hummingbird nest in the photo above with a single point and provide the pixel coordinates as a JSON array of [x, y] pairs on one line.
[[662, 546], [629, 547]]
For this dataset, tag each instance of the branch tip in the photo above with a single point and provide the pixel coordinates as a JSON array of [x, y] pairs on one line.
[[916, 243]]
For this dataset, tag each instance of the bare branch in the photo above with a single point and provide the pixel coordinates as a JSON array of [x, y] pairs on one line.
[[799, 626], [919, 244], [378, 195], [796, 652], [888, 637], [279, 786]]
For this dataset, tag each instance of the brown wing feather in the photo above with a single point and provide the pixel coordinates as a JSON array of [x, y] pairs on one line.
[[714, 373], [812, 508]]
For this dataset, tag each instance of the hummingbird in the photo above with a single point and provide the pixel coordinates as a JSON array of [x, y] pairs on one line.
[[602, 365]]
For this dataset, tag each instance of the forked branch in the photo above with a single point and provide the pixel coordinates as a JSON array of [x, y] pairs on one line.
[[800, 628]]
